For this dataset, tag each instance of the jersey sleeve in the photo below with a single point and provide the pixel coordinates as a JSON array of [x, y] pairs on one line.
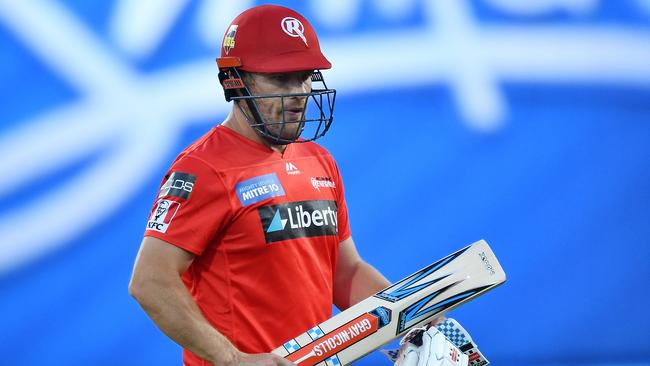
[[342, 219], [191, 207]]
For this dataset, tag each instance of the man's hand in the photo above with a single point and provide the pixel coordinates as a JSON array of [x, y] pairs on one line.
[[429, 347], [259, 359], [461, 338]]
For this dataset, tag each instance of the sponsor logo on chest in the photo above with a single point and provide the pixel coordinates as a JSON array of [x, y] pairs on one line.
[[322, 182], [299, 220], [259, 188]]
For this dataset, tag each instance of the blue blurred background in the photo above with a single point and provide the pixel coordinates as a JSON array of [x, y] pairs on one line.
[[526, 123]]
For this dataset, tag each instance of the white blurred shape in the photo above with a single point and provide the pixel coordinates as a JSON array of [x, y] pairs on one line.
[[537, 7], [57, 139], [644, 5], [395, 9], [336, 14], [84, 201], [65, 44], [139, 26], [469, 72], [214, 17], [566, 54]]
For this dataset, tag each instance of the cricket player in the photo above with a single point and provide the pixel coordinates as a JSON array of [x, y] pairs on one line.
[[248, 242]]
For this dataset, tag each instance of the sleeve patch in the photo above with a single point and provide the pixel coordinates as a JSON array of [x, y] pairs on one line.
[[178, 185], [162, 215]]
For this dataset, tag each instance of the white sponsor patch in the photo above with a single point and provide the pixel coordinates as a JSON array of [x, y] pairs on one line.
[[163, 215], [322, 182]]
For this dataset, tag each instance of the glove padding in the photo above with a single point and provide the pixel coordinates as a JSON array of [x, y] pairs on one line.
[[429, 347], [457, 335], [461, 338]]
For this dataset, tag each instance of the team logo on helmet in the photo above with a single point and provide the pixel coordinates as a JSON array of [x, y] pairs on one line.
[[229, 40], [294, 28]]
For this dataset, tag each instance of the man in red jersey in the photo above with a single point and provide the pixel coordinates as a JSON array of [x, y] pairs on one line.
[[248, 242]]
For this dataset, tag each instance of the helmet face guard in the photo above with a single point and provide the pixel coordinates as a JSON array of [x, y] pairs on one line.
[[272, 39], [312, 125], [318, 109]]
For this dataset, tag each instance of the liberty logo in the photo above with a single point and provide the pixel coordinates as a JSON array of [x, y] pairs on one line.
[[299, 220], [294, 28], [277, 223]]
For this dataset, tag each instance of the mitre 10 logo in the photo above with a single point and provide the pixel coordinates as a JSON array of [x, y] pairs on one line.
[[299, 220]]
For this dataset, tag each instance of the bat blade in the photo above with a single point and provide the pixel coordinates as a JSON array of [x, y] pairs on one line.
[[390, 313]]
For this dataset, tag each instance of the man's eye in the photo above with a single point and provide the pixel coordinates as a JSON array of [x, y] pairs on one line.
[[280, 78], [285, 78]]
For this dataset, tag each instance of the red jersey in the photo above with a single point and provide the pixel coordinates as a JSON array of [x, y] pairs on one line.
[[265, 228]]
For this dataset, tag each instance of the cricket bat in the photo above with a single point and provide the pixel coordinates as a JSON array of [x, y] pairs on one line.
[[390, 313]]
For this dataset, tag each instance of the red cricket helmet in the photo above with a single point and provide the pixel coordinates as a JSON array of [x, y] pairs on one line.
[[273, 39]]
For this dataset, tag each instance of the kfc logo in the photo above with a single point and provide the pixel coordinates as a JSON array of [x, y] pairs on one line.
[[163, 215]]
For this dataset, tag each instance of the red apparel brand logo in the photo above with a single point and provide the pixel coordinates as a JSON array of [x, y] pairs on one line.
[[336, 340], [454, 355]]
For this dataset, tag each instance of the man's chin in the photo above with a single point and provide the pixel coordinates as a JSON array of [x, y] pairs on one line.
[[290, 137], [286, 133]]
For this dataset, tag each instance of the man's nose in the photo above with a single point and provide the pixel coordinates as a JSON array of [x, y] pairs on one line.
[[297, 88]]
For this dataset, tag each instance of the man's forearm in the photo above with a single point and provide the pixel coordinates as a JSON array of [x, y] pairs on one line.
[[363, 282], [170, 306]]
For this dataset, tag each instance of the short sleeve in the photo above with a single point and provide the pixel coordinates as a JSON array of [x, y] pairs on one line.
[[343, 224], [191, 207]]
